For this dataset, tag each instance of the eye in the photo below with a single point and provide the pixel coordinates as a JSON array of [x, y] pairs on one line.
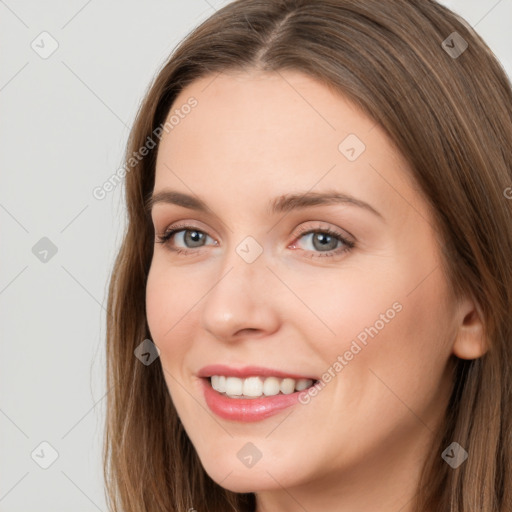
[[192, 237], [325, 241], [321, 241]]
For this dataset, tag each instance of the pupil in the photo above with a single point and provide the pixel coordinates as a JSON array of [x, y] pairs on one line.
[[323, 240], [195, 236]]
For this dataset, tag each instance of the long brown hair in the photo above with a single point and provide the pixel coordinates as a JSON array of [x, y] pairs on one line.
[[448, 109]]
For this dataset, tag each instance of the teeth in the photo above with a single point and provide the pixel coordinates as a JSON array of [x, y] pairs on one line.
[[287, 386], [219, 383], [303, 384], [254, 387], [271, 386], [234, 386]]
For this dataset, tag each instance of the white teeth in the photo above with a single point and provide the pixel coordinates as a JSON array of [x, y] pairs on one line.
[[303, 384], [219, 383], [234, 386], [287, 386], [271, 386], [254, 387]]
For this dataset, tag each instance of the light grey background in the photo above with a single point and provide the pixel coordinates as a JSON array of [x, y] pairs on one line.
[[63, 127]]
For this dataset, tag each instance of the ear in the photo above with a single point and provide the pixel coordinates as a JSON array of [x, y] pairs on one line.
[[470, 342]]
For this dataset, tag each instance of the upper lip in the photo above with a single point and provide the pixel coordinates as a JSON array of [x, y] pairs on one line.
[[248, 371]]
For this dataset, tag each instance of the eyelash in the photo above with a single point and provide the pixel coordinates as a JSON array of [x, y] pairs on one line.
[[349, 245]]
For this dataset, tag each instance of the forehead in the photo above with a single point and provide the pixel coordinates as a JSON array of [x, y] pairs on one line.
[[283, 106], [269, 132]]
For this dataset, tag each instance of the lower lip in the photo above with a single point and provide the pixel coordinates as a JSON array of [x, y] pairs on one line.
[[246, 409]]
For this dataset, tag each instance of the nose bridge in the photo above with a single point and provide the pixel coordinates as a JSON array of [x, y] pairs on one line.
[[239, 297]]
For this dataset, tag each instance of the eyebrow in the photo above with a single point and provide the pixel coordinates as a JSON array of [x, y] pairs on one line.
[[281, 204]]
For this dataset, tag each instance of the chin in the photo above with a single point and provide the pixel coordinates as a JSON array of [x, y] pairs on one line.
[[247, 484], [244, 480]]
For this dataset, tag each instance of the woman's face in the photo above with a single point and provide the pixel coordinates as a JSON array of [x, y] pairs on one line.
[[370, 317]]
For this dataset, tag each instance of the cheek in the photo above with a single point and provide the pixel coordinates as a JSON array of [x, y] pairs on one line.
[[169, 315], [169, 308], [157, 298], [409, 355], [379, 328], [354, 306]]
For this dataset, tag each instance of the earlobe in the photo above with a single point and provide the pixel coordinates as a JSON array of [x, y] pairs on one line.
[[470, 342]]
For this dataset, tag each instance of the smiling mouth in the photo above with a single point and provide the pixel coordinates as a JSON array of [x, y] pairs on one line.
[[257, 386]]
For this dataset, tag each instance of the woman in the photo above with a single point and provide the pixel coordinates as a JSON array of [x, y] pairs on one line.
[[311, 306]]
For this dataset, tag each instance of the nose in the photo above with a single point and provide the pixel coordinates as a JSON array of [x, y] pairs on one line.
[[241, 301]]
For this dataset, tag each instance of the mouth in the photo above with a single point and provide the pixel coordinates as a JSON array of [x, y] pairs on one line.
[[251, 394], [257, 386]]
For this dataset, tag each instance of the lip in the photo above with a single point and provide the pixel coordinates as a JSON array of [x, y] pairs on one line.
[[246, 409], [248, 371]]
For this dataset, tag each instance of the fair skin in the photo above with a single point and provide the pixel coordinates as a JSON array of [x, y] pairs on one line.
[[359, 444]]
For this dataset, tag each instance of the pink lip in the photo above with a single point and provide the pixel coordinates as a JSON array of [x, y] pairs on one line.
[[246, 409], [248, 371]]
